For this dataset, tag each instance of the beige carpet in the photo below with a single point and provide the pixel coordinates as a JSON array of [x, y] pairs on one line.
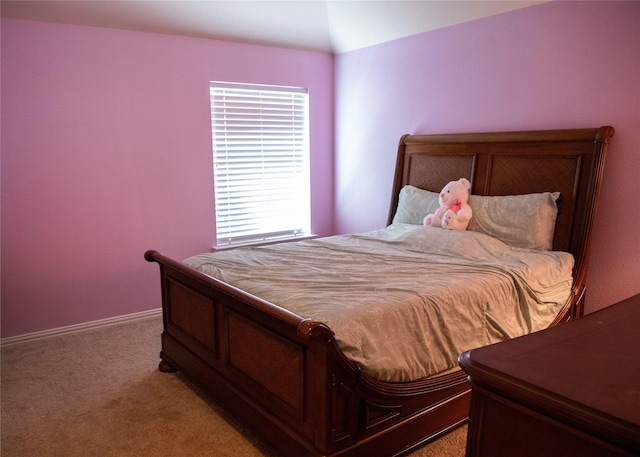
[[99, 393]]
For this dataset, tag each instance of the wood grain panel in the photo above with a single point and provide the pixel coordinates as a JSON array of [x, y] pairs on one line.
[[510, 175], [192, 313], [432, 172], [273, 362]]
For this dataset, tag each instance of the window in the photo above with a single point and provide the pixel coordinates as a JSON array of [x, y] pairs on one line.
[[261, 162]]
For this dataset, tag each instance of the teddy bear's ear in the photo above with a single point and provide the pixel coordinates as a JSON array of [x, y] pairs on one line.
[[466, 183]]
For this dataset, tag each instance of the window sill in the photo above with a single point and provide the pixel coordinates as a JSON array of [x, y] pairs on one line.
[[287, 239]]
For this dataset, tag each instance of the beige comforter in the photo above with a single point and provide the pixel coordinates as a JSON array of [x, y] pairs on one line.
[[406, 300]]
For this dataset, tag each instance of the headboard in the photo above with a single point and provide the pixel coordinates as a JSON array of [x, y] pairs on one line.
[[514, 163]]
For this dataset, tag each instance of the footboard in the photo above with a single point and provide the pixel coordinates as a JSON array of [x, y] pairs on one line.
[[285, 378]]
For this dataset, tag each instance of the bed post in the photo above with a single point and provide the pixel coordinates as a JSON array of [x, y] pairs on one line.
[[397, 179], [600, 142]]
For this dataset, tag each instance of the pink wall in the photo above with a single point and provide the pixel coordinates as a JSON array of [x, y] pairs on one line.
[[106, 152], [554, 65], [106, 143]]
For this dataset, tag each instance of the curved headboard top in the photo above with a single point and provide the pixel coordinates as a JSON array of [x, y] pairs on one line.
[[514, 163]]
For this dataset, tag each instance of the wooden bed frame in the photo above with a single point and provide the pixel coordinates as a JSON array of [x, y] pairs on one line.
[[284, 377]]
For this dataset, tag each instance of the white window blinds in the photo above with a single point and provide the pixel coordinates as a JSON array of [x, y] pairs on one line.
[[261, 162]]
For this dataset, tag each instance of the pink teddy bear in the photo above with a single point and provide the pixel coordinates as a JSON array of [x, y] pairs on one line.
[[454, 212]]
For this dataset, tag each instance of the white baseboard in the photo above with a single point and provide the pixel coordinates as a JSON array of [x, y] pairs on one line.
[[80, 327]]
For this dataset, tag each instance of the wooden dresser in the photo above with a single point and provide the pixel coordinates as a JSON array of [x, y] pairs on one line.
[[571, 390]]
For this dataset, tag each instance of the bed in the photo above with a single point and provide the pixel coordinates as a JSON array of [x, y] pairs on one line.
[[290, 378]]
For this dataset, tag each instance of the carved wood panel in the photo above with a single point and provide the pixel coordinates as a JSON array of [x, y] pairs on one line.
[[193, 314], [433, 171], [271, 362]]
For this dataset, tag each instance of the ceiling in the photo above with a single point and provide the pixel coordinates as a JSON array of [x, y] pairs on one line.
[[332, 26]]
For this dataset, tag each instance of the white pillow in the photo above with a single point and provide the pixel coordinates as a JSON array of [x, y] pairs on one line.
[[414, 204], [524, 221]]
